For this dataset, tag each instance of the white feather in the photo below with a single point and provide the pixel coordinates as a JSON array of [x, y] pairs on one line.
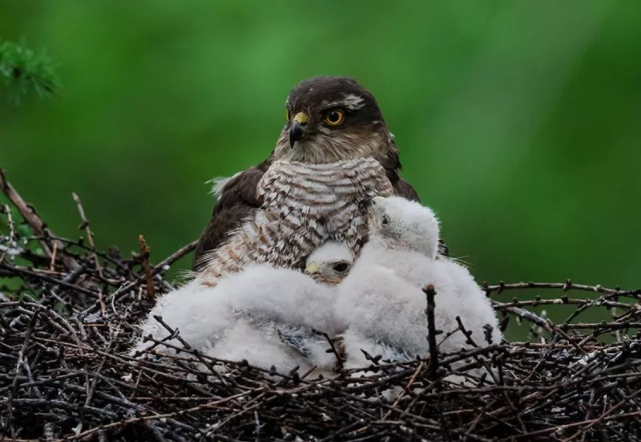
[[219, 183], [198, 312], [280, 295], [331, 251]]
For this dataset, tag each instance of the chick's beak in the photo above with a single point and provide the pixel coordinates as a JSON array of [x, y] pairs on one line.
[[312, 268], [297, 129]]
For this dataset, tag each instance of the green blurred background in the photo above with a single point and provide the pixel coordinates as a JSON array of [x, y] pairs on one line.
[[519, 122]]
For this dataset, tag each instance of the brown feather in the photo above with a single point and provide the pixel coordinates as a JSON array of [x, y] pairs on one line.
[[238, 200], [405, 189]]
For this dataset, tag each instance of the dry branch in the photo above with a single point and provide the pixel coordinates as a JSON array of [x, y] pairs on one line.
[[144, 257], [85, 225], [38, 226], [430, 293]]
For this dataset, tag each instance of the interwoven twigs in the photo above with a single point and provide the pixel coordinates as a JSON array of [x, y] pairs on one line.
[[66, 373]]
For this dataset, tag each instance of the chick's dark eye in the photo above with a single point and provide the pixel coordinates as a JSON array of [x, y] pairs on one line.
[[335, 117], [385, 220], [341, 267]]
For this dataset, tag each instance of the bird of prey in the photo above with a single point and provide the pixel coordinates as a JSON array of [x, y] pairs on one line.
[[381, 301], [334, 151]]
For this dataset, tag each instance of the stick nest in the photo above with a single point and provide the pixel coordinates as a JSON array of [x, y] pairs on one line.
[[68, 315]]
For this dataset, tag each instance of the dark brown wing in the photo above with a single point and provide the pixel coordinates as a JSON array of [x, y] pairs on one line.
[[238, 199], [405, 189]]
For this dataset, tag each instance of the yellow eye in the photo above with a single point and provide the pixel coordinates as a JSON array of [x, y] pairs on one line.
[[335, 117], [287, 116]]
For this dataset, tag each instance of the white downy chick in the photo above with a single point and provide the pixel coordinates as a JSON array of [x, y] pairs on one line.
[[285, 307], [330, 263], [403, 236], [382, 302], [263, 314], [197, 311]]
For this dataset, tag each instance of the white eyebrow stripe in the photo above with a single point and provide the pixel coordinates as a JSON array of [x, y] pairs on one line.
[[350, 101]]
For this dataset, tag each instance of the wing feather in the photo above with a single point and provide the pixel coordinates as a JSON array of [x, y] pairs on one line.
[[405, 189], [236, 201]]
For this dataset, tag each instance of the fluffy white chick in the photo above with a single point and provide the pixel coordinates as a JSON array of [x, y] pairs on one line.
[[263, 314], [381, 301], [286, 306], [197, 311], [403, 237], [330, 263]]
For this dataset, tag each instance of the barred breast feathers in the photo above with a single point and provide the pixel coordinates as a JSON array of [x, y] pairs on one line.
[[304, 206]]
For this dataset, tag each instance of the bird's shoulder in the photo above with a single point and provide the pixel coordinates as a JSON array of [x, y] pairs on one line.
[[241, 189], [404, 189], [238, 199]]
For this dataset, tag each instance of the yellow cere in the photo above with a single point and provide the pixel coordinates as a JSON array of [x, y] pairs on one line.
[[301, 118], [312, 268]]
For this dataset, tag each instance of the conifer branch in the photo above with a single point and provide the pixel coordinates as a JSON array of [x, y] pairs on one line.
[[25, 71]]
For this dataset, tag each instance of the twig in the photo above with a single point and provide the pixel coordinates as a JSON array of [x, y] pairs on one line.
[[332, 348], [525, 314], [18, 371], [568, 285], [54, 252], [144, 256], [11, 242], [162, 266], [26, 272], [37, 225], [171, 259], [85, 225], [466, 332], [430, 293]]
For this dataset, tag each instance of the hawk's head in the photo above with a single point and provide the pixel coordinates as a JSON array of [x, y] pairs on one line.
[[330, 119]]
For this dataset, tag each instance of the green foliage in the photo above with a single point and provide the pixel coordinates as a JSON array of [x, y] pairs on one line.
[[23, 70]]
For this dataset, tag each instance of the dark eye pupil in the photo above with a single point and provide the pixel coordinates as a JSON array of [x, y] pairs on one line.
[[341, 267], [385, 220], [334, 117]]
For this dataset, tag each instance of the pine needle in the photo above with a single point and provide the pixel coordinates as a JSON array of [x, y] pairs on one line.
[[24, 71]]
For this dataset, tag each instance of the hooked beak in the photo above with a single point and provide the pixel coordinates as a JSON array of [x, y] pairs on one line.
[[297, 129], [312, 268]]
